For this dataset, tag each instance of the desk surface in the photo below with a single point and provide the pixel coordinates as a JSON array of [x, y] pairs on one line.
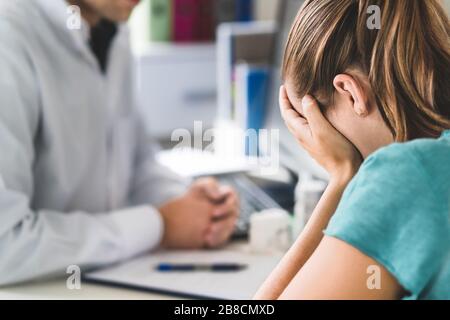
[[57, 289]]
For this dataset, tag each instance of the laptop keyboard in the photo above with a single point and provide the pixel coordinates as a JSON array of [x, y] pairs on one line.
[[252, 200]]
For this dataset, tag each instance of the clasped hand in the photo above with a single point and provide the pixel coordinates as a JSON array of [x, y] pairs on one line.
[[205, 216]]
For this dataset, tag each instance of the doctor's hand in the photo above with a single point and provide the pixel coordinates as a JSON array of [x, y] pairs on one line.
[[225, 212], [204, 216], [319, 138]]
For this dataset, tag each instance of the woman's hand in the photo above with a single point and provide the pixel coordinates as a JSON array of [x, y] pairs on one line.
[[340, 158], [322, 141]]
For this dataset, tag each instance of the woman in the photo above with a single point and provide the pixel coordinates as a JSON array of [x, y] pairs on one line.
[[373, 108]]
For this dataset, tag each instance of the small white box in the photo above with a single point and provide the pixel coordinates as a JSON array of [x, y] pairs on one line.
[[270, 231]]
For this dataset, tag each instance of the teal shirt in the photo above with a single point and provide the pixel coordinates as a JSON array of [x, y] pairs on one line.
[[396, 210]]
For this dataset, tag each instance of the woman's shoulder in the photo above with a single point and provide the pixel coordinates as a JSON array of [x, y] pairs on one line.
[[396, 210], [406, 178], [424, 149], [425, 161]]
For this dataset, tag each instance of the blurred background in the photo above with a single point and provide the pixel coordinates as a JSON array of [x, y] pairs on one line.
[[205, 64], [182, 59], [177, 51]]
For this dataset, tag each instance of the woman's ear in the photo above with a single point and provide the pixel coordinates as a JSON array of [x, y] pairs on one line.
[[350, 88]]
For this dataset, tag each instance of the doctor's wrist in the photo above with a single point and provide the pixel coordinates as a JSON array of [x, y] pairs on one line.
[[166, 241]]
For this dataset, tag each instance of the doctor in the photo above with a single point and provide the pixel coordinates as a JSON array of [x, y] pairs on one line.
[[78, 181]]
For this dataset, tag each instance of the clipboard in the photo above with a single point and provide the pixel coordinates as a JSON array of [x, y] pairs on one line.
[[140, 274]]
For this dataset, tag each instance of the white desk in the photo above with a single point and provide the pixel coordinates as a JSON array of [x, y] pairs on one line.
[[57, 289]]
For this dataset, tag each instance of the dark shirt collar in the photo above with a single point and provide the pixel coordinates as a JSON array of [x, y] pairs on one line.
[[101, 38]]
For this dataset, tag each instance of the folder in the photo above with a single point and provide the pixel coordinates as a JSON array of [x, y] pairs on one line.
[[225, 11], [160, 20], [206, 25], [185, 17], [251, 83], [244, 10]]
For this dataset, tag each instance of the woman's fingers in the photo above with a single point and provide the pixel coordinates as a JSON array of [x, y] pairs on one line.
[[316, 120], [309, 125], [317, 135], [297, 124]]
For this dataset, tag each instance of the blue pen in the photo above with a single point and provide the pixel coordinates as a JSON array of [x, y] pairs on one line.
[[185, 267]]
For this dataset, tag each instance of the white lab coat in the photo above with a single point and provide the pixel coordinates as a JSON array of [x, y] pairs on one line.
[[78, 180]]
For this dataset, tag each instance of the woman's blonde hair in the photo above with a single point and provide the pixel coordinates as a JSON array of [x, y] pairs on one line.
[[407, 60]]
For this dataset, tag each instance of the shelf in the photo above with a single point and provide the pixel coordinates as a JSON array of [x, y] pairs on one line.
[[198, 50]]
